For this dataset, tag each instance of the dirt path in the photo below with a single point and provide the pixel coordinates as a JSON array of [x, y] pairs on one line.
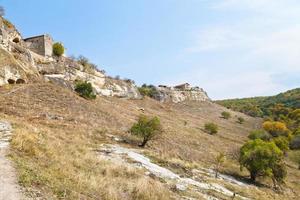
[[9, 189]]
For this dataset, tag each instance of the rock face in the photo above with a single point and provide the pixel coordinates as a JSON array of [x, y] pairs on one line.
[[22, 59], [180, 93]]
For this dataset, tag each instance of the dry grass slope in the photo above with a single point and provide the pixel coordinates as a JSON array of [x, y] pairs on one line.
[[56, 133]]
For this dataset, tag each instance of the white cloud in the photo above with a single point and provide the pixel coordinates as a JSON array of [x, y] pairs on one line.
[[263, 39]]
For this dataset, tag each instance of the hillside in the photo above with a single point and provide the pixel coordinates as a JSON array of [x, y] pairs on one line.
[[55, 129], [261, 106], [57, 142]]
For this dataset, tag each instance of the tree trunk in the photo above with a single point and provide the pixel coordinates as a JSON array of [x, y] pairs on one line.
[[143, 143], [252, 177]]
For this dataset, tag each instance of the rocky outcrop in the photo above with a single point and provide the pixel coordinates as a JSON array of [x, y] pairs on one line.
[[180, 93], [11, 71], [18, 63], [119, 88]]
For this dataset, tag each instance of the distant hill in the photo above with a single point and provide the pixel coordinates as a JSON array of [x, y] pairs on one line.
[[262, 106]]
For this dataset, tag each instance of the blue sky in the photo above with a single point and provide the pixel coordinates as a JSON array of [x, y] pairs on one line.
[[231, 48]]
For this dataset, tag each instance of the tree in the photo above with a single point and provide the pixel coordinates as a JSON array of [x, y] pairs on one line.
[[259, 134], [148, 90], [58, 49], [241, 120], [85, 90], [260, 158], [282, 143], [276, 128], [211, 128], [84, 61], [146, 128], [226, 115], [2, 11], [220, 159]]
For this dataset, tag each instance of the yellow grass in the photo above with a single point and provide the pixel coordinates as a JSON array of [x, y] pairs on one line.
[[57, 156]]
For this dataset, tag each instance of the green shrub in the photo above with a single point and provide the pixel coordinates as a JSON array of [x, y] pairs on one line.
[[282, 143], [261, 158], [58, 49], [146, 128], [148, 90], [259, 134], [85, 90], [211, 128], [226, 115], [241, 120]]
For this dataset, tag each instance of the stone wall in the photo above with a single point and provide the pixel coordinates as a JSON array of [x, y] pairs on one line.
[[41, 45]]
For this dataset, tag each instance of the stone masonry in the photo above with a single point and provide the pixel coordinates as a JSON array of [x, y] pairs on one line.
[[41, 44]]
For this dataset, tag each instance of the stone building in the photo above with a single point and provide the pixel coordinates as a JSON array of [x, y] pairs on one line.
[[185, 86], [41, 44]]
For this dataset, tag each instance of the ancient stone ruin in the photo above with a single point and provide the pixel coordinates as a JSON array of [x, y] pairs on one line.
[[41, 44]]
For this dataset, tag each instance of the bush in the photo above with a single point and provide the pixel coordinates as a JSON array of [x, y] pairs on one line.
[[85, 90], [83, 61], [148, 90], [226, 115], [282, 143], [211, 128], [260, 158], [276, 128], [259, 134], [146, 128], [58, 49], [241, 120], [295, 142]]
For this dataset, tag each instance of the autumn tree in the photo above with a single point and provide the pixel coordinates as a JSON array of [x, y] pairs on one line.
[[275, 128]]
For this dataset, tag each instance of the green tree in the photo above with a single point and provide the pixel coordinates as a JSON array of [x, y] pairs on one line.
[[211, 128], [282, 143], [259, 134], [260, 158], [58, 49], [146, 128], [148, 90], [85, 90], [226, 115]]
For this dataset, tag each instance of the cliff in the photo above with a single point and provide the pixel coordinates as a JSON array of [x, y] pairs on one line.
[[21, 64]]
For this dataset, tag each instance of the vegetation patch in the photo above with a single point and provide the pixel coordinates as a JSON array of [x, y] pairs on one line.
[[85, 90], [211, 128], [58, 49]]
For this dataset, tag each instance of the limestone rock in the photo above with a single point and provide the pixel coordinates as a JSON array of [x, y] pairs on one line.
[[10, 70], [180, 93]]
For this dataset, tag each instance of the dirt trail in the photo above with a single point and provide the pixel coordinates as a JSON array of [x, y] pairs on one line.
[[9, 189]]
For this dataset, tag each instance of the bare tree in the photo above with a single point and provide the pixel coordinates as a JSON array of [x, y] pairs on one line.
[[2, 11], [220, 159]]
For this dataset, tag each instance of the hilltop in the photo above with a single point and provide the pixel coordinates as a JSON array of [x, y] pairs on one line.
[[261, 106], [64, 146]]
